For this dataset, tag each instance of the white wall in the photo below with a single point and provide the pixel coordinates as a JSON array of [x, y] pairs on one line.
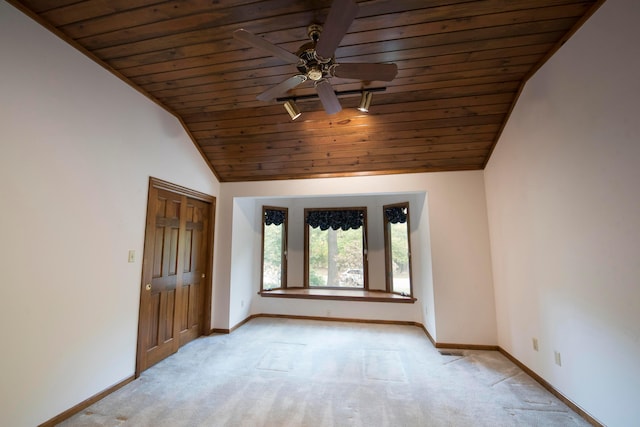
[[451, 229], [76, 152], [564, 213]]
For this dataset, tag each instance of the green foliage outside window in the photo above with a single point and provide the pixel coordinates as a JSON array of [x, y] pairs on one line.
[[400, 247], [272, 253], [332, 254]]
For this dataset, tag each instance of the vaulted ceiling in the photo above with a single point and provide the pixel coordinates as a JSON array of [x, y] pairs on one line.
[[460, 64]]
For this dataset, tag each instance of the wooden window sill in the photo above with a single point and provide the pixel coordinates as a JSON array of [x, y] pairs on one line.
[[338, 295]]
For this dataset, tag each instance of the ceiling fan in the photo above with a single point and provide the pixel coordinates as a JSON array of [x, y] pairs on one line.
[[315, 60]]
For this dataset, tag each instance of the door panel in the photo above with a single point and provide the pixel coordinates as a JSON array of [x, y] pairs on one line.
[[174, 292], [193, 275], [164, 295]]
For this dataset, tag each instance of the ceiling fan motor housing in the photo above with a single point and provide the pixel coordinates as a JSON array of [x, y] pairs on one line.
[[311, 65]]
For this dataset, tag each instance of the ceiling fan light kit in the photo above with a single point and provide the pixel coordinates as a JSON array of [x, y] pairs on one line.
[[315, 61], [292, 109], [365, 101], [366, 96]]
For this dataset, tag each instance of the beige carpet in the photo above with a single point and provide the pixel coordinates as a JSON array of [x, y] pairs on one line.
[[282, 372]]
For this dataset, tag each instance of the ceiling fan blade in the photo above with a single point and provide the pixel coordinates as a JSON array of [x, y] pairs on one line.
[[364, 71], [282, 87], [328, 97], [340, 16], [260, 43]]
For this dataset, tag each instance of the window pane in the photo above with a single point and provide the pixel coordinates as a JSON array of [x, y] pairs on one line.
[[273, 256], [336, 258], [397, 243], [400, 258]]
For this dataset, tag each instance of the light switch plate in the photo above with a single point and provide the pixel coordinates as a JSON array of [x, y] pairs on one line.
[[558, 358]]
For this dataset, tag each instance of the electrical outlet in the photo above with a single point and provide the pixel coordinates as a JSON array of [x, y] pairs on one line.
[[535, 343], [558, 358]]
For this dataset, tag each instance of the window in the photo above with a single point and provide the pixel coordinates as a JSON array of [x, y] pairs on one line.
[[274, 248], [335, 248], [397, 249]]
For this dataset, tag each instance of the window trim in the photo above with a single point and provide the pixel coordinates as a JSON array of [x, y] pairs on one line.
[[365, 256], [284, 253], [387, 249]]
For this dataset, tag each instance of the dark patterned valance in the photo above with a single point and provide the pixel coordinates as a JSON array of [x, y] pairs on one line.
[[396, 214], [274, 216], [345, 220]]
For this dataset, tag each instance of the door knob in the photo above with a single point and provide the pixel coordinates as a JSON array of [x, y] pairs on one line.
[[148, 286]]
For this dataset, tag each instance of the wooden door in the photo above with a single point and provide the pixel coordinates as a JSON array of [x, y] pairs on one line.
[[176, 293]]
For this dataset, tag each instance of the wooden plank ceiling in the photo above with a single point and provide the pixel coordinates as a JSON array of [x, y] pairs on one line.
[[460, 65]]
